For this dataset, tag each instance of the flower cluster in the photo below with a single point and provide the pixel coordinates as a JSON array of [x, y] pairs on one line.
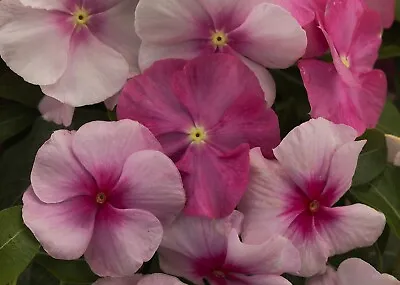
[[194, 169]]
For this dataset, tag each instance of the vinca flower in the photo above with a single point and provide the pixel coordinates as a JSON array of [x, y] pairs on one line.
[[294, 196], [105, 192], [137, 279], [206, 113]]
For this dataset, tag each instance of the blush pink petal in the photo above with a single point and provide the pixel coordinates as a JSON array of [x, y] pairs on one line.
[[53, 110], [64, 229], [150, 181], [355, 226], [57, 175], [159, 279], [275, 256], [393, 147], [215, 181], [171, 22], [48, 4], [385, 9], [328, 278], [133, 280], [330, 97], [115, 28], [341, 171], [306, 158], [103, 147], [35, 43], [88, 80], [277, 47], [122, 240]]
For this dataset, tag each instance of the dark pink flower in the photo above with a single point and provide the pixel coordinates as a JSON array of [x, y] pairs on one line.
[[206, 113], [199, 248], [103, 192]]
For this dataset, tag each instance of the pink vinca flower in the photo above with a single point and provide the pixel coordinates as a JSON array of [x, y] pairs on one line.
[[53, 110], [199, 248], [353, 271], [103, 191], [294, 196], [348, 91], [79, 52], [206, 113], [138, 279], [261, 34]]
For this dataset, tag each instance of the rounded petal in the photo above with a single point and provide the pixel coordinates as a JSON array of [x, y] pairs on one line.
[[171, 22], [57, 175], [63, 229], [103, 148], [214, 181], [48, 4], [328, 278], [150, 181], [158, 278], [273, 257], [386, 10], [393, 146], [122, 240], [115, 28], [277, 47], [35, 44], [95, 72], [354, 226], [306, 152], [53, 110], [341, 171], [119, 280]]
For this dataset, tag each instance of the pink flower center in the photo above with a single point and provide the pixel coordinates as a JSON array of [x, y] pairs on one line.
[[81, 17], [219, 39], [314, 206], [197, 135], [219, 274], [101, 198]]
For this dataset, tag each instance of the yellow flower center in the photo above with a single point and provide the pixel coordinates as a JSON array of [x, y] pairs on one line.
[[345, 60], [101, 198], [81, 17], [197, 134], [219, 38], [314, 206]]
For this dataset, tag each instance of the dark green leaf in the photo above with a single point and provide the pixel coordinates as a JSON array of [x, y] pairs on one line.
[[372, 160], [389, 51], [389, 123], [398, 10], [83, 116], [17, 245], [16, 163], [35, 274], [14, 118], [67, 271], [383, 194], [13, 87]]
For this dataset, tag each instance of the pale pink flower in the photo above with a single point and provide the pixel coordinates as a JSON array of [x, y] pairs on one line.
[[294, 195], [79, 52], [349, 91], [103, 191], [138, 279], [199, 248], [393, 146], [353, 271], [53, 110], [261, 34]]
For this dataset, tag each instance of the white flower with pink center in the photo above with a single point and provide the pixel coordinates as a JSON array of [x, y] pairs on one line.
[[79, 52], [294, 195]]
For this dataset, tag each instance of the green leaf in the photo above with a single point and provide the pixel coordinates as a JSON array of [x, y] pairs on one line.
[[14, 88], [16, 163], [35, 274], [383, 194], [14, 118], [389, 122], [398, 10], [67, 271], [372, 160], [17, 245], [389, 51]]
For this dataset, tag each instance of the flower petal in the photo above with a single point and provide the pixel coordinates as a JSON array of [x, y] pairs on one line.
[[35, 43], [277, 47], [53, 110], [103, 148], [150, 181], [158, 278], [214, 181], [63, 229], [306, 152], [386, 10], [119, 280], [354, 226], [341, 171], [49, 4], [273, 257], [95, 72], [122, 240], [115, 28], [171, 22], [57, 175], [393, 147], [328, 278]]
